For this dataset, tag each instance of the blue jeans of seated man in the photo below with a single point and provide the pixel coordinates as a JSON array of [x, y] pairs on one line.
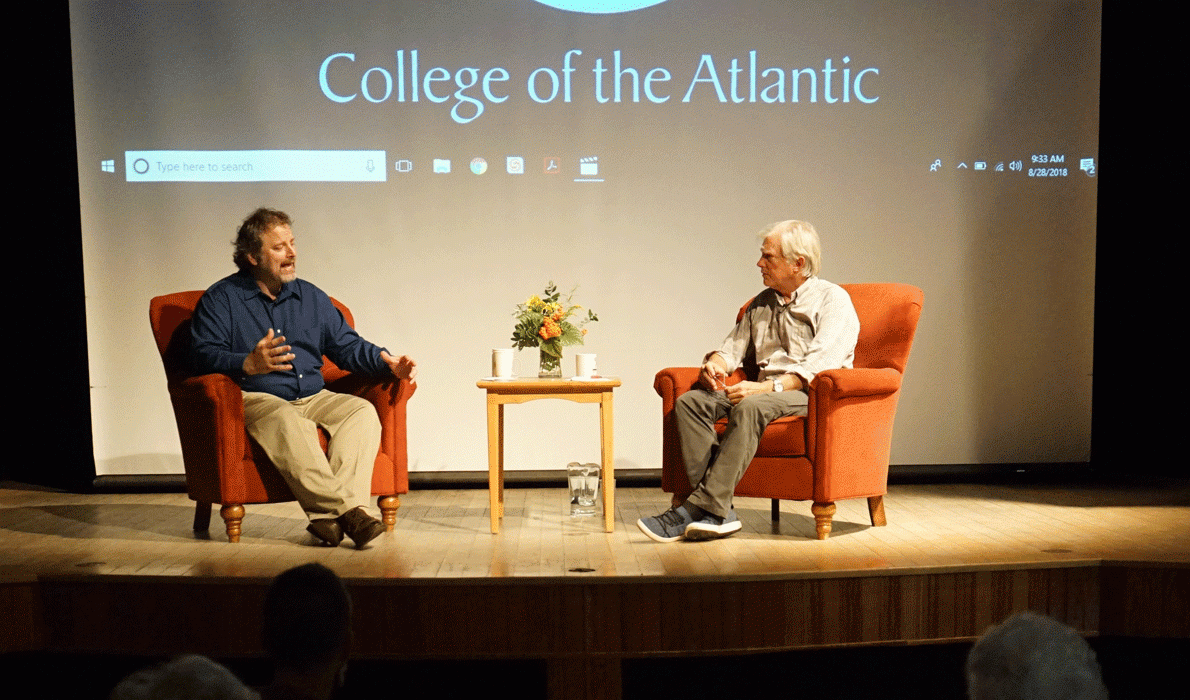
[[714, 473]]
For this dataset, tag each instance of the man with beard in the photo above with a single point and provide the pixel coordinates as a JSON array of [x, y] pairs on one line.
[[269, 330]]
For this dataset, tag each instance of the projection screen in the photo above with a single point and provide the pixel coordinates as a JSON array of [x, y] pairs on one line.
[[445, 160]]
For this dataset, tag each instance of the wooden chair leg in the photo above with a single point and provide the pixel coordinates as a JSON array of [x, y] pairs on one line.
[[233, 516], [776, 510], [202, 516], [388, 510], [823, 513], [677, 500], [876, 510]]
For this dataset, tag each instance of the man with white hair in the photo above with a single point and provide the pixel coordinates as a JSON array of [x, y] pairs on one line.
[[798, 327]]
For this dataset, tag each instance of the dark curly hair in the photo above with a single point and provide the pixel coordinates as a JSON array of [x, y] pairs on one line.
[[247, 240]]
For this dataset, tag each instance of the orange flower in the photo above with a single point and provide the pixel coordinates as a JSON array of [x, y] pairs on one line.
[[549, 329]]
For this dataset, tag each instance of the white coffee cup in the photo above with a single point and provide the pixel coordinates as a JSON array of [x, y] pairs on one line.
[[584, 365], [502, 363]]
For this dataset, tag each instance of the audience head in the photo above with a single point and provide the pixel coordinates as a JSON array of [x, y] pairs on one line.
[[188, 677], [1035, 657], [307, 618]]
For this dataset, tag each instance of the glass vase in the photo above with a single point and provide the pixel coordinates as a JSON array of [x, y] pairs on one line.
[[550, 367]]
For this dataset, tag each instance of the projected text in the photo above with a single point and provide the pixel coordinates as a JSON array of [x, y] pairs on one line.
[[734, 79], [255, 166]]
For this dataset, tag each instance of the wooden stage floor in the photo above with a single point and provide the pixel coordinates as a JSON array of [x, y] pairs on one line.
[[115, 573], [444, 534]]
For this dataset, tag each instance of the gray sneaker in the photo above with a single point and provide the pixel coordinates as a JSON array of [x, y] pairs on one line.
[[670, 526], [710, 527]]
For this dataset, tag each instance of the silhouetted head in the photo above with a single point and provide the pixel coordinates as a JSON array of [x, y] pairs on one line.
[[307, 618]]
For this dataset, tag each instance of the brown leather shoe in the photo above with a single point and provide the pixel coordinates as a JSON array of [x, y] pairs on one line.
[[360, 527], [327, 531]]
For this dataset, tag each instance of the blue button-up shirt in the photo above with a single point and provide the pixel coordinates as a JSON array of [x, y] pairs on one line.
[[234, 314]]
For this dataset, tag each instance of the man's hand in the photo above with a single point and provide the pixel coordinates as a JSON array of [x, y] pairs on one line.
[[271, 354], [713, 375], [738, 392], [402, 367]]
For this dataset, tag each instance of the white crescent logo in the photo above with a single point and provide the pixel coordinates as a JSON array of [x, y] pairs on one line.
[[600, 7]]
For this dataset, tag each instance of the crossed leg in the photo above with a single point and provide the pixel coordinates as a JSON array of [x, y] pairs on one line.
[[287, 431], [713, 465]]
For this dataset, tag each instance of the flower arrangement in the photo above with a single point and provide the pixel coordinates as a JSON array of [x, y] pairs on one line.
[[544, 322]]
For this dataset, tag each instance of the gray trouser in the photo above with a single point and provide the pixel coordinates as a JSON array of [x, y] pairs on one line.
[[714, 473], [288, 433]]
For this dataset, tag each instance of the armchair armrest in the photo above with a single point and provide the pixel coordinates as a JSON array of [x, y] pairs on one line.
[[849, 431], [672, 382], [216, 394], [209, 411], [837, 384], [389, 396], [378, 390]]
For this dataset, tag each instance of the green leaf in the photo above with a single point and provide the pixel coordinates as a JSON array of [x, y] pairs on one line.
[[524, 335], [552, 347], [570, 335]]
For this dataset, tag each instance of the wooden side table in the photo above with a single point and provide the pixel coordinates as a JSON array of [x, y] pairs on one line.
[[501, 392]]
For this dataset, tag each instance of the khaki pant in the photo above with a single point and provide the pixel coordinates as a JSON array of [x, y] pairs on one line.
[[288, 433]]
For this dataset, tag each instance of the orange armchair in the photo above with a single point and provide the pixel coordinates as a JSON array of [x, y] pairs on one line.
[[840, 449], [223, 464]]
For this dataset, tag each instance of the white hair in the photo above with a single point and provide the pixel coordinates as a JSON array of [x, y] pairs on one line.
[[1033, 656], [798, 240]]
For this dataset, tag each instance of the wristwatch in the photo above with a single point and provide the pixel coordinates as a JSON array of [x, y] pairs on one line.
[[777, 385]]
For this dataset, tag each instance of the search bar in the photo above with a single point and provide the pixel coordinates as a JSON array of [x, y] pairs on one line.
[[255, 166]]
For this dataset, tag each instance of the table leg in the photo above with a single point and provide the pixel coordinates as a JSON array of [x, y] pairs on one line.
[[606, 435], [500, 481], [495, 462]]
